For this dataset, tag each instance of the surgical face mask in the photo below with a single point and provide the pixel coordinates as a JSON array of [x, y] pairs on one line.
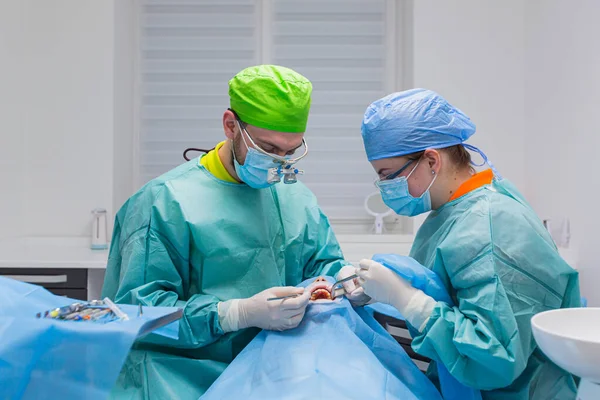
[[262, 169], [395, 195]]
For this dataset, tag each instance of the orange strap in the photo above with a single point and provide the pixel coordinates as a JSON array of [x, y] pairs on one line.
[[475, 182]]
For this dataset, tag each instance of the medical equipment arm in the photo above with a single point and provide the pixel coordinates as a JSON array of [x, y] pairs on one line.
[[468, 339]]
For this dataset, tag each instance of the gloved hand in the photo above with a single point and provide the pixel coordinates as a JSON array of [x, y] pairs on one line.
[[256, 311], [385, 286], [354, 292]]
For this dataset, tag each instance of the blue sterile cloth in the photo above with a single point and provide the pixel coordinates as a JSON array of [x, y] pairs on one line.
[[50, 359], [337, 352]]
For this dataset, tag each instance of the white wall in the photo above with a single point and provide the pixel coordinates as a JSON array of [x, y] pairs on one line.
[[562, 76], [527, 73], [471, 52], [11, 117], [57, 115], [124, 101]]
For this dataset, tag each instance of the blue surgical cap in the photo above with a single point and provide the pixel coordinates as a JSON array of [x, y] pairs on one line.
[[412, 121]]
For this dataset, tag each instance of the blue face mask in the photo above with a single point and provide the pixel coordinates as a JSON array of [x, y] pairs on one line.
[[395, 195], [256, 169], [261, 169]]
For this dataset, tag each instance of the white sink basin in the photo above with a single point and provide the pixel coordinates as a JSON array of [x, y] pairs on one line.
[[570, 337]]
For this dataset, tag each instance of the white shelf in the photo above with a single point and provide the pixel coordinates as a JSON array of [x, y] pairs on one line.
[[34, 252]]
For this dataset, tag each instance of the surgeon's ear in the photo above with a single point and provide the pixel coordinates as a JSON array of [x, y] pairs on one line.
[[229, 124], [433, 158]]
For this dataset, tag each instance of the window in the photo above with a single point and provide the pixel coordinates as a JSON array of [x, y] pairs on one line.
[[190, 49]]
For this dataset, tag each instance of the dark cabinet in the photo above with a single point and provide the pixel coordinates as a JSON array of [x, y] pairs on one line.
[[60, 281]]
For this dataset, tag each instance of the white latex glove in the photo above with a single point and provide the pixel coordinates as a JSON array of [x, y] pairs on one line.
[[256, 311], [385, 286], [354, 292]]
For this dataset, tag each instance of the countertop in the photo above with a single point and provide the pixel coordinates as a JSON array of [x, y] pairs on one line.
[[38, 252]]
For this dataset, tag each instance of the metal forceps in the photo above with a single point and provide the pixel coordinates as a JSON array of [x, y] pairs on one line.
[[340, 291]]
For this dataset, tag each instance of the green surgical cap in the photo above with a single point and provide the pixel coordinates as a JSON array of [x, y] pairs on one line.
[[271, 97]]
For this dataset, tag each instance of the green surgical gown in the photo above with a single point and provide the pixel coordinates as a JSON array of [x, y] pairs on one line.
[[189, 240], [501, 268]]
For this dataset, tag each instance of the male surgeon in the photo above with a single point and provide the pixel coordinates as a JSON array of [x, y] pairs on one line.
[[220, 235]]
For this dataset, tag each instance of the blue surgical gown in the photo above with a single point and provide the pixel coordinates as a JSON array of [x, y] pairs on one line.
[[501, 267], [189, 240]]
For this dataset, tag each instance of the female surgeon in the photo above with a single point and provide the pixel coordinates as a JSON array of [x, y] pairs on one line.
[[482, 238]]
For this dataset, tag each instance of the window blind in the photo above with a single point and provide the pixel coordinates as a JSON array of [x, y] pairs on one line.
[[190, 49], [188, 52], [340, 46]]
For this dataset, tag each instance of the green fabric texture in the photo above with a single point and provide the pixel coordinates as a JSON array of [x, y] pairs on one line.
[[271, 97], [501, 267], [189, 240]]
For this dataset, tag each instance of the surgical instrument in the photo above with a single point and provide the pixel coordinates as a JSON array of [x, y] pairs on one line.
[[335, 292]]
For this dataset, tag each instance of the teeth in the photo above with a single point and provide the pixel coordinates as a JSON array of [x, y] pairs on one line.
[[321, 294]]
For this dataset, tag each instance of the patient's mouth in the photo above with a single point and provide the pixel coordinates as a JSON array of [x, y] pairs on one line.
[[320, 290]]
